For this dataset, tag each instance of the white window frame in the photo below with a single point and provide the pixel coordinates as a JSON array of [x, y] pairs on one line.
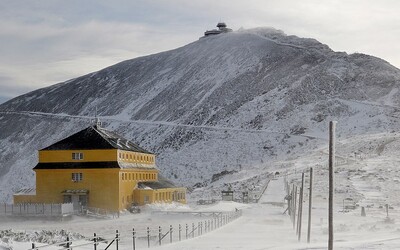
[[77, 177], [77, 156]]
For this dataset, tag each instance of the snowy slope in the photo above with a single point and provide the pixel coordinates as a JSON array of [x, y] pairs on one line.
[[241, 100]]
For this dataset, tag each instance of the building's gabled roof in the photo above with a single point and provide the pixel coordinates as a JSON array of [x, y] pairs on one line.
[[94, 137]]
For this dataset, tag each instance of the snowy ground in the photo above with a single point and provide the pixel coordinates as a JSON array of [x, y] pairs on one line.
[[370, 178], [262, 226]]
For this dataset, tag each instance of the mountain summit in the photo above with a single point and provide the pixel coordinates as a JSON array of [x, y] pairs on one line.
[[238, 100]]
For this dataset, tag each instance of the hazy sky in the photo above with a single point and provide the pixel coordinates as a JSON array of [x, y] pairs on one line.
[[43, 42]]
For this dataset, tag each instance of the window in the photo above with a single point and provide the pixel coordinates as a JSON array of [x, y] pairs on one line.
[[77, 177], [146, 199], [77, 156]]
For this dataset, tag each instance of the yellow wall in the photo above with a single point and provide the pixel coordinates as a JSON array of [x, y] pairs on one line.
[[167, 195], [102, 184], [128, 183], [88, 155], [24, 198], [111, 189], [128, 156], [48, 156]]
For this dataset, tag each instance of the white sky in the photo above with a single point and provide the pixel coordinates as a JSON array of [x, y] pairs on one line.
[[43, 42]]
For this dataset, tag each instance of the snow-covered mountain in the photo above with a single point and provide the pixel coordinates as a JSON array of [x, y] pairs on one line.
[[239, 101]]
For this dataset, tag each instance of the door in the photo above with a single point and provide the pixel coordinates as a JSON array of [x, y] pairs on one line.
[[75, 202], [67, 199]]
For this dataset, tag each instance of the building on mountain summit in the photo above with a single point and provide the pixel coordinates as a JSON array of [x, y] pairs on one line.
[[99, 169], [222, 28]]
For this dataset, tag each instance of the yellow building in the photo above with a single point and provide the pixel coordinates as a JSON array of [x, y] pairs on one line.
[[99, 169]]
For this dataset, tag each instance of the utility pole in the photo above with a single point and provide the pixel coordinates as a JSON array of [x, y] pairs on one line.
[[332, 127], [300, 215], [294, 205], [310, 206]]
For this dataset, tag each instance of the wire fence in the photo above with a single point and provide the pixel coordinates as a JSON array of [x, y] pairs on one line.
[[146, 237], [34, 209]]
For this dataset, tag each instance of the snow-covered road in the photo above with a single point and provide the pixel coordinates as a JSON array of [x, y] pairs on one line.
[[260, 227]]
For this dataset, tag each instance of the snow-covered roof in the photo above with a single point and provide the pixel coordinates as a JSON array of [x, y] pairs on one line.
[[75, 191], [26, 191], [160, 184], [94, 137]]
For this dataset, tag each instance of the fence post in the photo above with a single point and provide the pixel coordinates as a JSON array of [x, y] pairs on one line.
[[133, 239], [291, 204], [33, 245], [148, 237], [198, 228], [170, 233], [192, 230], [116, 239], [159, 235], [68, 243], [180, 230], [187, 227], [94, 241]]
